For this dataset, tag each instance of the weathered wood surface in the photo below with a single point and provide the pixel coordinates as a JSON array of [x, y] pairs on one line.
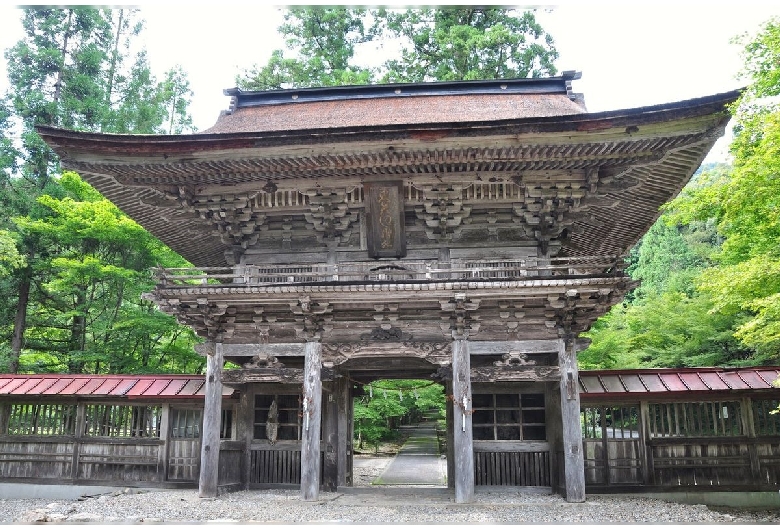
[[330, 440], [573, 462], [463, 440], [275, 466], [183, 460], [231, 455], [486, 374], [345, 431], [263, 375], [613, 461], [212, 415], [312, 414], [527, 468]]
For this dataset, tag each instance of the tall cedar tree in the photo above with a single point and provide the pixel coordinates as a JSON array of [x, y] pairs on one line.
[[441, 44], [74, 69]]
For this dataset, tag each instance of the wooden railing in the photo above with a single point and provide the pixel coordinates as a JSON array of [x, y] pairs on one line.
[[393, 271]]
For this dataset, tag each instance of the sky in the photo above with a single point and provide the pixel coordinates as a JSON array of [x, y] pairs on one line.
[[631, 54]]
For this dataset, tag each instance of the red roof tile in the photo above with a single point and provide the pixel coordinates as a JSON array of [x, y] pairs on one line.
[[633, 383], [671, 382], [130, 386], [59, 385]]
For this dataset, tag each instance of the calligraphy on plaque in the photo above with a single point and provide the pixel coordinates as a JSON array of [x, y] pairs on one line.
[[386, 236]]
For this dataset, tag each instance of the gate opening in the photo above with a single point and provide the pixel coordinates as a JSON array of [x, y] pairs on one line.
[[399, 433]]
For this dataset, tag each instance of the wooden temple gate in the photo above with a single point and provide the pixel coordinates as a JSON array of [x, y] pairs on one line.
[[465, 232]]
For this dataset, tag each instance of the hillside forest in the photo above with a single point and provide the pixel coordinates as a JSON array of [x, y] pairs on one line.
[[73, 267]]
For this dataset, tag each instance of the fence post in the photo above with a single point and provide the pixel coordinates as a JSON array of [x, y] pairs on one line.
[[81, 427], [165, 437]]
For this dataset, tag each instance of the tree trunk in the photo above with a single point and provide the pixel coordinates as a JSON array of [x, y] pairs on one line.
[[20, 321]]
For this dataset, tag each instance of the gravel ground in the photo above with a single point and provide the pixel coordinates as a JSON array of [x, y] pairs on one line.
[[366, 505]]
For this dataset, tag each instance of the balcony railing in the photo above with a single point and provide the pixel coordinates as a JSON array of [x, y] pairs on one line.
[[395, 272]]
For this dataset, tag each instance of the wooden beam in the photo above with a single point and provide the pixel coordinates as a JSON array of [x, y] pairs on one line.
[[344, 405], [462, 434], [251, 350], [245, 431], [81, 427], [212, 415], [487, 374], [330, 433], [5, 415], [312, 411], [165, 438], [573, 460], [519, 346], [263, 375]]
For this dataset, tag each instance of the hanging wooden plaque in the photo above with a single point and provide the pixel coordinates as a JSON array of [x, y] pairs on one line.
[[385, 232]]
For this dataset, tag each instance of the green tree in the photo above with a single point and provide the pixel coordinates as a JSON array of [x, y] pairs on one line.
[[323, 43], [440, 44], [386, 404], [719, 303], [92, 317], [73, 68], [465, 43], [745, 204]]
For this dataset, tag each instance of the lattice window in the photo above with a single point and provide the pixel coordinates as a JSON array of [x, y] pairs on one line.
[[288, 417], [188, 423], [123, 421], [42, 419], [711, 418], [508, 417], [609, 422], [767, 423]]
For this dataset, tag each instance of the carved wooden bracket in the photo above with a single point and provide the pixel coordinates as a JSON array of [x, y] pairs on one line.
[[442, 211], [458, 321], [311, 320], [329, 215]]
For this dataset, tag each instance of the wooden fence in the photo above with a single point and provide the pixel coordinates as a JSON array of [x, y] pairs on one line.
[[718, 444]]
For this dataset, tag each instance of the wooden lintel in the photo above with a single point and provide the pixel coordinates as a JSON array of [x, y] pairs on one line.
[[263, 375], [519, 346], [276, 350], [271, 375], [489, 374]]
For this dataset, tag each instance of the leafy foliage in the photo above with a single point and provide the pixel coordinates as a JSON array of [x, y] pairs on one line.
[[436, 44], [80, 266], [711, 265], [468, 43], [387, 404]]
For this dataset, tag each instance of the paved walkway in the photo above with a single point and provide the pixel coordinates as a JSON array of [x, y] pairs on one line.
[[418, 462]]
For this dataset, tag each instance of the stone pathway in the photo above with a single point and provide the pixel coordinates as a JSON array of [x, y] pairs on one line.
[[418, 462]]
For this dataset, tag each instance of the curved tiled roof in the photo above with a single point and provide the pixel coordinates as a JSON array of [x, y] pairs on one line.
[[620, 384], [162, 387], [674, 382], [412, 110]]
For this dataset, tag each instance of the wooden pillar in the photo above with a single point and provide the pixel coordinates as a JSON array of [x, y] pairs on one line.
[[245, 431], [344, 427], [462, 434], [212, 416], [330, 434], [165, 438], [749, 430], [648, 471], [450, 422], [5, 416], [81, 427], [573, 460], [312, 409]]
